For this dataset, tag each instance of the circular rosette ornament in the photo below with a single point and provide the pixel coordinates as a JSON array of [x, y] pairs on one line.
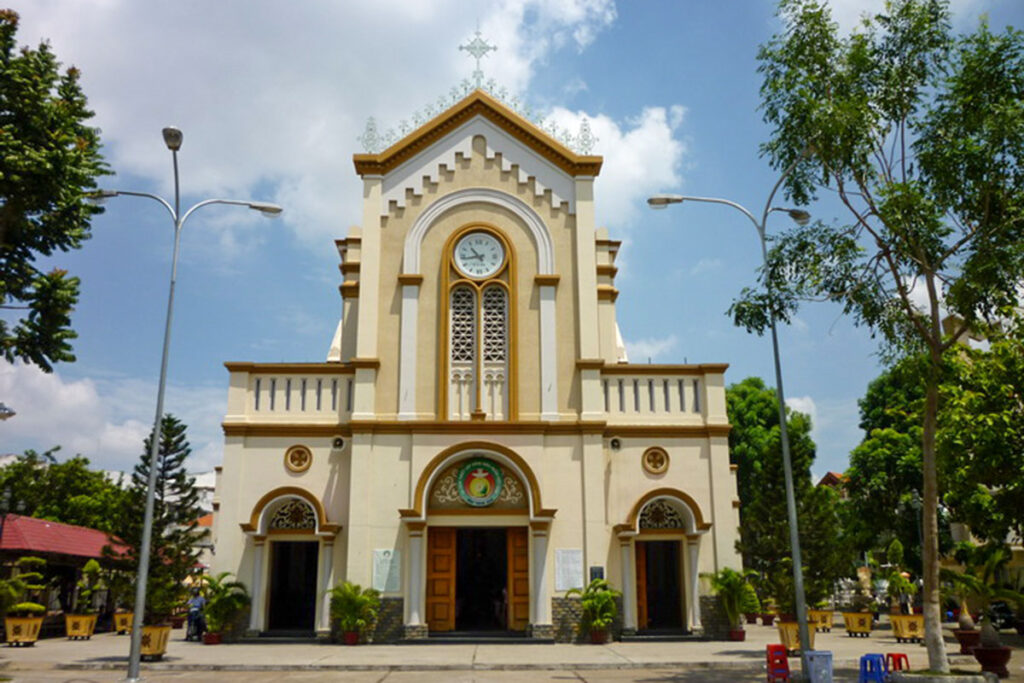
[[480, 482]]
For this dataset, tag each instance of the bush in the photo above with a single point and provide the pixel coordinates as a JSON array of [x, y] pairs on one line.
[[354, 607]]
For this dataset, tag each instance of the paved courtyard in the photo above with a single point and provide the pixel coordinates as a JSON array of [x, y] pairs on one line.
[[104, 659]]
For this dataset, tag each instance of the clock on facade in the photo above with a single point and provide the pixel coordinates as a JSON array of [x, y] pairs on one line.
[[479, 254]]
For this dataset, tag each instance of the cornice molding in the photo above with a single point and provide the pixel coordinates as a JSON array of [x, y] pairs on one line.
[[477, 103]]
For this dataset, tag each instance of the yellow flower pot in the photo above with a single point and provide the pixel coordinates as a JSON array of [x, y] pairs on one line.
[[908, 627], [821, 618], [123, 622], [789, 633], [858, 623], [154, 641], [22, 630], [80, 626]]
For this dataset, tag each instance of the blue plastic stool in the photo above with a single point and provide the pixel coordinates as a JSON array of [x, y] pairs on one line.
[[872, 668]]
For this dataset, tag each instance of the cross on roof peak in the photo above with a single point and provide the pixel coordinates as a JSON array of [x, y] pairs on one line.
[[478, 48]]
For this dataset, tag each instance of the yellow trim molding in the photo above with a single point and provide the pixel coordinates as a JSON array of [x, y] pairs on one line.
[[410, 279], [477, 103], [252, 526], [290, 368], [685, 498], [546, 280]]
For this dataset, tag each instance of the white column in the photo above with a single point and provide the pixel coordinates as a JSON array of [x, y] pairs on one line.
[[256, 613], [548, 355], [416, 581], [326, 564], [628, 585], [407, 357], [693, 545], [541, 609]]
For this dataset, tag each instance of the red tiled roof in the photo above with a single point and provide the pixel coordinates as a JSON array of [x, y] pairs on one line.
[[206, 520], [43, 536]]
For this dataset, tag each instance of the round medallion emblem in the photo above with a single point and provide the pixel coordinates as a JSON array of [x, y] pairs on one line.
[[479, 482]]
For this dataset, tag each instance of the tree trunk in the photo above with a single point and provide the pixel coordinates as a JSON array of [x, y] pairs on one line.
[[930, 543]]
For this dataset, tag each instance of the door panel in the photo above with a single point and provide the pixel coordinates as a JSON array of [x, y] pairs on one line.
[[440, 578], [293, 568], [640, 551], [518, 579]]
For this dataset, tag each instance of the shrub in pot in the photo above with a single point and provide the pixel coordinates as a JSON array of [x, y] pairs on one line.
[[355, 608], [597, 601], [81, 623], [226, 599], [23, 615], [736, 595]]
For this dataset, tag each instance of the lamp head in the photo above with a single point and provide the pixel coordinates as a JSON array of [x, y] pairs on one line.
[[172, 138], [266, 208], [799, 216], [660, 201], [100, 197]]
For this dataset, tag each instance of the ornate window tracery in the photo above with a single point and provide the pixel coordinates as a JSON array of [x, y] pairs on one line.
[[495, 324], [293, 515], [479, 279], [463, 317], [661, 514]]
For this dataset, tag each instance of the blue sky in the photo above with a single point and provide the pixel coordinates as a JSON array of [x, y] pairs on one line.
[[271, 102]]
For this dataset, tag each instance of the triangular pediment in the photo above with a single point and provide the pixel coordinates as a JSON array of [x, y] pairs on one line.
[[478, 104]]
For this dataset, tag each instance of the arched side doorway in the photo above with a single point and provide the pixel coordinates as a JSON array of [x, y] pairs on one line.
[[660, 548], [293, 547], [477, 539]]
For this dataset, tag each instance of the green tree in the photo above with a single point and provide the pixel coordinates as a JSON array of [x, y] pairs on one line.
[[176, 512], [38, 485], [49, 161], [920, 134], [764, 529], [884, 480], [981, 442]]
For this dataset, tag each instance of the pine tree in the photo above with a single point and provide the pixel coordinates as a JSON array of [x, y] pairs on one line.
[[176, 512]]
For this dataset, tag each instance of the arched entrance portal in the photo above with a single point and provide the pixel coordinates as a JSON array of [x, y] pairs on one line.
[[478, 507], [293, 544], [660, 545]]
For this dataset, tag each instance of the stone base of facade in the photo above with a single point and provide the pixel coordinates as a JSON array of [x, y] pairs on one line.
[[567, 621], [541, 631], [714, 623], [416, 632], [390, 627]]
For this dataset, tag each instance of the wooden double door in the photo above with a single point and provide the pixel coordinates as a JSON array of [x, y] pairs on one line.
[[659, 585], [478, 579]]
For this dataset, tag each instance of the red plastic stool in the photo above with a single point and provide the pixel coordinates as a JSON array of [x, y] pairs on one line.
[[778, 663], [896, 661]]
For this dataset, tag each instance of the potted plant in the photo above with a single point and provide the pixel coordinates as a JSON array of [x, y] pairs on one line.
[[599, 609], [736, 596], [355, 609], [119, 595], [24, 616], [983, 564], [906, 627], [226, 599], [857, 616], [81, 623]]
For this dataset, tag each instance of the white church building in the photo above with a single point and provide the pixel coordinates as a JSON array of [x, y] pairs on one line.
[[476, 443]]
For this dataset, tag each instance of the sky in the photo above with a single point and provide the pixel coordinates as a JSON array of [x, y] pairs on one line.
[[272, 100]]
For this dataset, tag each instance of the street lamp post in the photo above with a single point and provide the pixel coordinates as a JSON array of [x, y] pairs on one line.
[[173, 139], [801, 217]]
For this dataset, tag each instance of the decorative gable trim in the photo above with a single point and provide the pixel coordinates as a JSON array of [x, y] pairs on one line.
[[478, 103]]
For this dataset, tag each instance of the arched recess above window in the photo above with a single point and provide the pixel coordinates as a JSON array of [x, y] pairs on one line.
[[478, 362]]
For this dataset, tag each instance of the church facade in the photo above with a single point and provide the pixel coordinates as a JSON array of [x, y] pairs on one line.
[[476, 443]]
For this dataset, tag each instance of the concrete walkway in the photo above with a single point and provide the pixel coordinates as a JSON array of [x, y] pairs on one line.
[[105, 658]]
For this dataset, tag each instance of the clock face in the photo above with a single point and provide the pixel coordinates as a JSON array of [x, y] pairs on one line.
[[479, 254]]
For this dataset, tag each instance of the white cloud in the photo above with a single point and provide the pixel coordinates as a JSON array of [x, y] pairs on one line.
[[641, 350], [641, 156], [106, 419], [271, 100], [805, 405]]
